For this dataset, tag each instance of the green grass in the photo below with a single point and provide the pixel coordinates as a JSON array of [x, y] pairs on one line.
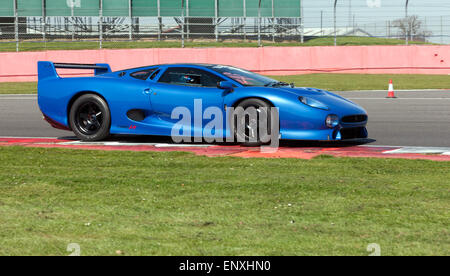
[[150, 203], [81, 45], [332, 82], [18, 87], [348, 82]]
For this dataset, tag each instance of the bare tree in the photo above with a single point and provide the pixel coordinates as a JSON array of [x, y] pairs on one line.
[[412, 27]]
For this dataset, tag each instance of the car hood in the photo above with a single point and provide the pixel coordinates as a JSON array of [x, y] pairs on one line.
[[335, 102]]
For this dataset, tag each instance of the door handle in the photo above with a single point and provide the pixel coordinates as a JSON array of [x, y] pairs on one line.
[[147, 91]]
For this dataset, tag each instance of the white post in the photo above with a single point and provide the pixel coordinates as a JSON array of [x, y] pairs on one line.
[[101, 24], [16, 26], [349, 14], [335, 29], [321, 23], [187, 16], [389, 29], [245, 19], [302, 26], [182, 23], [259, 23], [407, 22], [44, 22], [158, 3], [216, 19], [273, 21], [72, 19], [130, 14]]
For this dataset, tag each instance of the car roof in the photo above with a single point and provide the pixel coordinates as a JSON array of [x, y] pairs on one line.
[[207, 65]]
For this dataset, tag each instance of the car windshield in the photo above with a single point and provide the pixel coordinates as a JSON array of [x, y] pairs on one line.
[[242, 76]]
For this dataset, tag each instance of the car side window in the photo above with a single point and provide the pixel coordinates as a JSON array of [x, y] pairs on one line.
[[142, 74], [190, 77], [154, 74]]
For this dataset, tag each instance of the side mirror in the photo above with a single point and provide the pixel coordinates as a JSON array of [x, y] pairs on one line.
[[226, 85]]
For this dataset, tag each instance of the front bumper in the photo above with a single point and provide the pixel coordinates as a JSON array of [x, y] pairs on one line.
[[336, 134], [351, 133], [348, 130]]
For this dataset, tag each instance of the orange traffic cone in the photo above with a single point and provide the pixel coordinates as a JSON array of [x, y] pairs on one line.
[[391, 93]]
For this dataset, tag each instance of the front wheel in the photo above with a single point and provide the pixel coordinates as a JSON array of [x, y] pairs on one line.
[[90, 118], [249, 132]]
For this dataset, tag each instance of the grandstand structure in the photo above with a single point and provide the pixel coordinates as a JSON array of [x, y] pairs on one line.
[[149, 19]]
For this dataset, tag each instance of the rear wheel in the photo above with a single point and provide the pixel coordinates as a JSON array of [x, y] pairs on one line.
[[90, 118]]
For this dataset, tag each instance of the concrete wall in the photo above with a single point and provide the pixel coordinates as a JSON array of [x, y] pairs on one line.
[[18, 67]]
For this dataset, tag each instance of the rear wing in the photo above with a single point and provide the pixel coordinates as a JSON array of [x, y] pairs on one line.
[[47, 69]]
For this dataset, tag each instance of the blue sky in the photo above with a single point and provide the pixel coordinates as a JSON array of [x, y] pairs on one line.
[[374, 18]]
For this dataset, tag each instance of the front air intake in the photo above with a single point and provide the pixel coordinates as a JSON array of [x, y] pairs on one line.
[[354, 133], [354, 119]]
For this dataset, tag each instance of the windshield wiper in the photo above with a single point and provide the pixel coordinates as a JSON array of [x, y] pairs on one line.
[[276, 84]]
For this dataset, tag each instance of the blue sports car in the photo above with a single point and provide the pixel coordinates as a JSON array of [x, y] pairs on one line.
[[143, 101]]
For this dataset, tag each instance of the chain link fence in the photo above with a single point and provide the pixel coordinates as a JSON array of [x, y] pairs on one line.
[[407, 20], [96, 24]]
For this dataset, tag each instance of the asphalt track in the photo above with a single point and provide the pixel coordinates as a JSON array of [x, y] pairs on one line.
[[415, 118]]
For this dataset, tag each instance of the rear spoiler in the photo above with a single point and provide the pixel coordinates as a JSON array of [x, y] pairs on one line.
[[47, 69]]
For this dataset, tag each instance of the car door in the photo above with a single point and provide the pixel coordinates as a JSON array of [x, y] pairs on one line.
[[187, 87]]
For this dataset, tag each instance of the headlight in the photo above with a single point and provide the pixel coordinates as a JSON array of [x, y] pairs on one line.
[[332, 121], [312, 103]]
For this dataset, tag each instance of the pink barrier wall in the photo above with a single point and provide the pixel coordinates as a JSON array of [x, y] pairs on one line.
[[18, 67]]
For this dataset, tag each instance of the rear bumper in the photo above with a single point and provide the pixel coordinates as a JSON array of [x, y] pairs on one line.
[[55, 124]]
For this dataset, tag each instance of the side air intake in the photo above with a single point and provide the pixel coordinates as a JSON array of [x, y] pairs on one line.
[[136, 115]]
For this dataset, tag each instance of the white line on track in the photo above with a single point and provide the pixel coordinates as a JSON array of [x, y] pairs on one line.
[[395, 149], [20, 137], [397, 90], [181, 145], [420, 150], [106, 143], [14, 98], [111, 143], [396, 99], [118, 143], [412, 149]]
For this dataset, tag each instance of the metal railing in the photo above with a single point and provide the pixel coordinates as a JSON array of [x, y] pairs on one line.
[[19, 33]]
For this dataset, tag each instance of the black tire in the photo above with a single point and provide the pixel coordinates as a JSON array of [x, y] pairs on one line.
[[246, 136], [90, 118]]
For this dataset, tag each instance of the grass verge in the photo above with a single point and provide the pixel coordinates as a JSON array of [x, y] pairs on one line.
[[150, 203], [18, 87], [87, 45], [332, 82], [349, 82]]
